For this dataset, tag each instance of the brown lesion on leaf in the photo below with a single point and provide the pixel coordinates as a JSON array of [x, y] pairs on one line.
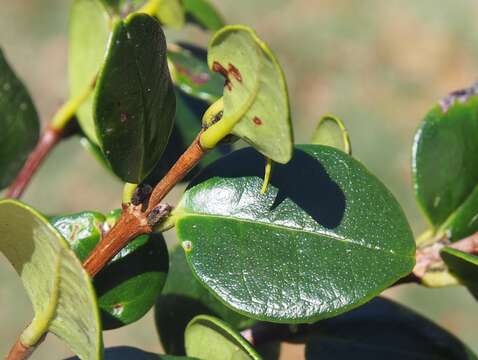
[[460, 96], [256, 120], [231, 70]]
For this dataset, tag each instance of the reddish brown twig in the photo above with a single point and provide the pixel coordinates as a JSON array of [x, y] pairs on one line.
[[133, 221], [48, 140], [22, 352]]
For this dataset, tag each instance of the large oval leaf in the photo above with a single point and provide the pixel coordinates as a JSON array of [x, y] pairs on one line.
[[209, 338], [383, 329], [445, 166], [183, 298], [59, 288], [464, 266], [88, 37], [142, 264], [19, 124], [203, 13], [134, 101], [325, 238], [256, 104]]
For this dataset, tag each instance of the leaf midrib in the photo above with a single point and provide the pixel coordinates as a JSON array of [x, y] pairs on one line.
[[282, 227]]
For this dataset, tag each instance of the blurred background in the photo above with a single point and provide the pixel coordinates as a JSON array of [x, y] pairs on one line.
[[378, 65]]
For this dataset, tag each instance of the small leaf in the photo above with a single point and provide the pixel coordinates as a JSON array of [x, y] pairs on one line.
[[331, 131], [192, 75], [171, 13], [203, 13], [19, 124], [326, 237], [464, 266], [383, 329], [209, 338], [88, 37], [134, 101], [59, 288], [131, 353], [142, 264], [183, 298], [445, 174], [256, 104]]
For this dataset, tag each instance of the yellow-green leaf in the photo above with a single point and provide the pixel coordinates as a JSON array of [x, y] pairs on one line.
[[331, 131], [256, 104], [59, 288]]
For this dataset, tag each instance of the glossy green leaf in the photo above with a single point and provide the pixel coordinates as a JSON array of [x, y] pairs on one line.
[[383, 329], [134, 101], [129, 285], [331, 131], [131, 353], [88, 37], [203, 13], [326, 237], [192, 75], [464, 266], [183, 298], [207, 337], [60, 290], [19, 124], [256, 104], [445, 171]]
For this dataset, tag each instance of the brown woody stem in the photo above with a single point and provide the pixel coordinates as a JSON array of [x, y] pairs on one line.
[[47, 142], [133, 221], [21, 352]]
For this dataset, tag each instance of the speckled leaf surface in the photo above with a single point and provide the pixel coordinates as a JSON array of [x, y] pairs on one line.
[[207, 337], [192, 75], [464, 266], [256, 104], [203, 13], [331, 131], [134, 102], [88, 37], [383, 329], [326, 237], [60, 290], [19, 124], [130, 283], [445, 167], [183, 298]]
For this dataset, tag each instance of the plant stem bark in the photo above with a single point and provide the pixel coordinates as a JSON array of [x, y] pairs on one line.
[[22, 352], [47, 142], [133, 221]]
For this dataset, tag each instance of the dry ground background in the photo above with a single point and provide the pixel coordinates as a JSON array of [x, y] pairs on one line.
[[378, 64]]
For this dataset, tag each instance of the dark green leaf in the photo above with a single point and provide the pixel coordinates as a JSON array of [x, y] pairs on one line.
[[326, 237], [129, 285], [383, 329], [131, 353], [192, 75], [60, 290], [203, 13], [19, 124], [134, 103], [255, 100], [331, 131], [464, 266], [88, 37], [183, 298], [445, 167], [209, 338]]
